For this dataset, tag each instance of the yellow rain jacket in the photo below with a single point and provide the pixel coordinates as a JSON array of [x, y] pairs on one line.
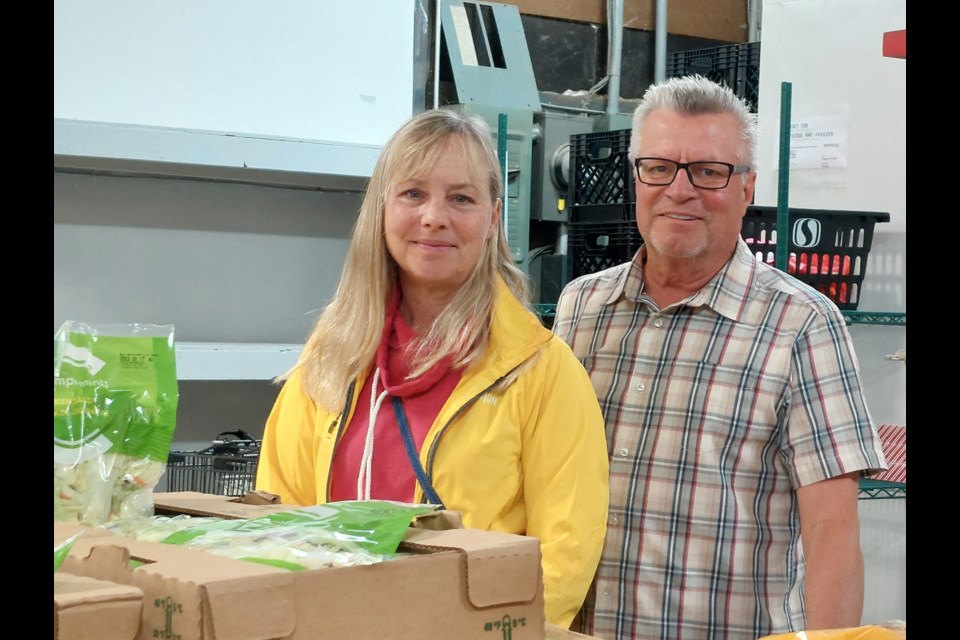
[[530, 459]]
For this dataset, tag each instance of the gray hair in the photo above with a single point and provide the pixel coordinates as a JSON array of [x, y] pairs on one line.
[[695, 95]]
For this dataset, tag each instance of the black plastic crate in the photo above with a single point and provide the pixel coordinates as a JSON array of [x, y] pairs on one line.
[[748, 74], [603, 213], [827, 249], [734, 65], [600, 171], [228, 467], [594, 246]]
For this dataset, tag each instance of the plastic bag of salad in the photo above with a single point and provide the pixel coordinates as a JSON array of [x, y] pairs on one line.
[[114, 412]]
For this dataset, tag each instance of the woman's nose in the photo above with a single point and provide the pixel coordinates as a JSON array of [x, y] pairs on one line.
[[434, 213]]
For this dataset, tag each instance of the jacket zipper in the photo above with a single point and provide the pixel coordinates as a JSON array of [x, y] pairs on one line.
[[431, 454], [338, 423]]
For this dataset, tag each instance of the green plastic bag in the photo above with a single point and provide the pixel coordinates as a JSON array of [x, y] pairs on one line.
[[62, 550], [336, 534], [114, 414]]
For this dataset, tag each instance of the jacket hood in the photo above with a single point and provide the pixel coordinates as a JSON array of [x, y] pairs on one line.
[[516, 335]]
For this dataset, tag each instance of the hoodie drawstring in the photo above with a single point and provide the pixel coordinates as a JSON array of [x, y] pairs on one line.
[[365, 476]]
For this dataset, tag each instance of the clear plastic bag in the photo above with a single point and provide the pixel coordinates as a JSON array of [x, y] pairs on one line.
[[336, 534], [114, 413]]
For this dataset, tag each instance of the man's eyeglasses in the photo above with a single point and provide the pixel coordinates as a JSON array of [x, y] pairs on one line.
[[703, 175]]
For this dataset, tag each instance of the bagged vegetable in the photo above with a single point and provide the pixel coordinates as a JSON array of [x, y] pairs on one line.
[[336, 534], [60, 551], [114, 414]]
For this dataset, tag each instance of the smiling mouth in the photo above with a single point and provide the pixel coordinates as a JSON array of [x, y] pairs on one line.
[[678, 216], [432, 245]]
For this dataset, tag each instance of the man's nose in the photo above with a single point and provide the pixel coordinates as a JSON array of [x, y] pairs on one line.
[[681, 183]]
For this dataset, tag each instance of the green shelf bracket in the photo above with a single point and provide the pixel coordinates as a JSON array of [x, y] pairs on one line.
[[881, 489], [875, 317], [852, 317], [545, 310]]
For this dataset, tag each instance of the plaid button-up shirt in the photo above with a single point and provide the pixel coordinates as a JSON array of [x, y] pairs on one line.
[[717, 409]]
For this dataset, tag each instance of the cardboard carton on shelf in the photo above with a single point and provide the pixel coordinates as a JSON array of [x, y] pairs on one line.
[[89, 609], [455, 583]]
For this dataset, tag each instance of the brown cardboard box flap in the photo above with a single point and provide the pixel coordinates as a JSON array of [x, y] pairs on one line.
[[206, 504], [64, 530], [724, 20], [439, 520], [271, 603], [502, 568], [89, 609], [72, 591], [258, 503], [237, 600]]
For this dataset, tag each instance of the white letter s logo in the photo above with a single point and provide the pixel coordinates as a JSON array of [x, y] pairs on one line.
[[806, 232]]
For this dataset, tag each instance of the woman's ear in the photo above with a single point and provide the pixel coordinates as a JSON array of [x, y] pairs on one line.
[[495, 218]]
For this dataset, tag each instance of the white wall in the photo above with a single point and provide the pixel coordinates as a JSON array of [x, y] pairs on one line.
[[174, 124], [155, 90], [298, 69], [222, 262], [831, 53]]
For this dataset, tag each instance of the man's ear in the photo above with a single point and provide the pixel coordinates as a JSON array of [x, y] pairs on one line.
[[749, 188]]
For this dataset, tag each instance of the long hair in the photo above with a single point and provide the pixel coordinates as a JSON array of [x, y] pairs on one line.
[[692, 96], [344, 342]]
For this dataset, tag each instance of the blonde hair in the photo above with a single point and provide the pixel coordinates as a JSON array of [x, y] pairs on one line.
[[344, 341]]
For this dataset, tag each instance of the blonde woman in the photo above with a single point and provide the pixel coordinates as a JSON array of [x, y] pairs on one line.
[[428, 379]]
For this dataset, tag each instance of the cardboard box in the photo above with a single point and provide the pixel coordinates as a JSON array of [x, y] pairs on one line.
[[253, 505], [458, 583], [559, 633], [90, 609], [724, 20], [256, 504]]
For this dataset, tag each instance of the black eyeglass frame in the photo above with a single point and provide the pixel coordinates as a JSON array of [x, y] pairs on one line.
[[734, 170]]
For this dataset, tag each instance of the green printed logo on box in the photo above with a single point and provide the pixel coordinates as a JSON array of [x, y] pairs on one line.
[[505, 625]]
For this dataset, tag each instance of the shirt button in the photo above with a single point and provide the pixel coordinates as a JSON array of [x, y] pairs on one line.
[[641, 386], [623, 453], [658, 322], [613, 520], [606, 591]]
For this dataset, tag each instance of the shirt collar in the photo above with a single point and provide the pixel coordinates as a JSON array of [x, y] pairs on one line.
[[725, 293]]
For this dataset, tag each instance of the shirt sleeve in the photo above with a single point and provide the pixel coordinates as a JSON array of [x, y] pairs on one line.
[[829, 429]]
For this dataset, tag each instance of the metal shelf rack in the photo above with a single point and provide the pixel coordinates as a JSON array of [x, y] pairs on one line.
[[548, 311], [881, 489], [875, 317]]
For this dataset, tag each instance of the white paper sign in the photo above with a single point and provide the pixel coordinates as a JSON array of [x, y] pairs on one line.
[[819, 142]]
